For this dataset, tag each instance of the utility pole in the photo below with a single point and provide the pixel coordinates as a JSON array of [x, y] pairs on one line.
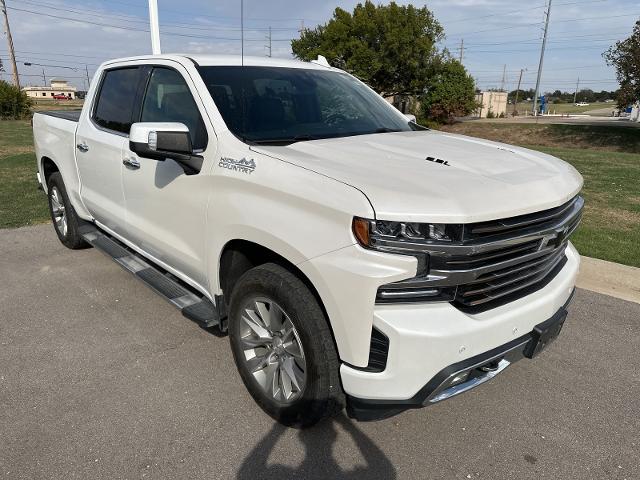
[[504, 77], [575, 95], [154, 25], [44, 79], [269, 40], [544, 44], [461, 49], [515, 105], [242, 32], [12, 53], [86, 70]]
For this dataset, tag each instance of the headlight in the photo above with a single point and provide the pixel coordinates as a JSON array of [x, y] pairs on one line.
[[403, 236], [408, 238]]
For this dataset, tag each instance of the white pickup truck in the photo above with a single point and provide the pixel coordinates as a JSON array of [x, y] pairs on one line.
[[355, 258]]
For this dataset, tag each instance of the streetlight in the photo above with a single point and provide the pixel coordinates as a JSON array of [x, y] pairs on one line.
[[29, 64], [44, 78]]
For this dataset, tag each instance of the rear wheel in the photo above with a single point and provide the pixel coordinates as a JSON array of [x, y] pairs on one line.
[[64, 217], [283, 347]]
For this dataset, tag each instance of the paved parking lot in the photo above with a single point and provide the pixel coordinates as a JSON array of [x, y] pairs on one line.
[[100, 378]]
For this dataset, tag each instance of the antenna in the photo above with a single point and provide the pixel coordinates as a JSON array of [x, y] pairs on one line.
[[154, 27], [242, 32]]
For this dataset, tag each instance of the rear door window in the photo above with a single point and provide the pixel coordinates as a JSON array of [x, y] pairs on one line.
[[116, 99]]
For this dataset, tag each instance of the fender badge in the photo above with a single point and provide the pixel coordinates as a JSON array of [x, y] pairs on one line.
[[243, 165]]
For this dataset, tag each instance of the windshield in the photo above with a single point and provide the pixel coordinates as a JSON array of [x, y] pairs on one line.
[[275, 105]]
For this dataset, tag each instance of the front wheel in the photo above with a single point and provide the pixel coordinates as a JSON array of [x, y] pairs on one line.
[[283, 347]]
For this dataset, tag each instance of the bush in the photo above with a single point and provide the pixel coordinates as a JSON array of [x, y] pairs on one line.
[[14, 103], [450, 93]]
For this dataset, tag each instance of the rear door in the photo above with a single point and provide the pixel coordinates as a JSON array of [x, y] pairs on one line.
[[101, 141], [166, 209]]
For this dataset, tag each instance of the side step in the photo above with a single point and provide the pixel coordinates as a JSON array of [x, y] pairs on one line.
[[192, 304]]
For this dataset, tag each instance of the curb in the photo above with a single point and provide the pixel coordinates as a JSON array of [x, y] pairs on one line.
[[620, 281]]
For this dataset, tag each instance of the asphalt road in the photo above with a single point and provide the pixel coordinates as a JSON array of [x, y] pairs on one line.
[[100, 378]]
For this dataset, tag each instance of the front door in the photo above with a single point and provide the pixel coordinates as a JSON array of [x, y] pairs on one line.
[[100, 144], [166, 209]]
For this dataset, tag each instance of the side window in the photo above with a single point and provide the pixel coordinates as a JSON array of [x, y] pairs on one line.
[[168, 99], [116, 99]]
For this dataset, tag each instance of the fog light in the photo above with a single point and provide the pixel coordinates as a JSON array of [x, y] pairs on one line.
[[459, 378]]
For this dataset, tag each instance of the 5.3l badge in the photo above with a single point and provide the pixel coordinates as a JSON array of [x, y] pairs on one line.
[[243, 165]]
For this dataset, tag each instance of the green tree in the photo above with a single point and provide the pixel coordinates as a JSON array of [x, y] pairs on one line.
[[450, 94], [14, 103], [625, 57], [392, 48]]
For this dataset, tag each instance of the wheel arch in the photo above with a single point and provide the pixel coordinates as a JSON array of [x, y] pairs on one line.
[[239, 256], [47, 168]]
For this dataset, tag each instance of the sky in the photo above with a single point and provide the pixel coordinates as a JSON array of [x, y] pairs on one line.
[[69, 37]]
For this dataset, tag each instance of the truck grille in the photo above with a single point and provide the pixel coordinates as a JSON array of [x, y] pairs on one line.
[[495, 262]]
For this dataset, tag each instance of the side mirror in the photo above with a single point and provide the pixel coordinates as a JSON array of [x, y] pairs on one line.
[[410, 117], [162, 140]]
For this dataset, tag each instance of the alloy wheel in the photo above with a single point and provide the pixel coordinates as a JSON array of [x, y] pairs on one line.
[[273, 353], [58, 211]]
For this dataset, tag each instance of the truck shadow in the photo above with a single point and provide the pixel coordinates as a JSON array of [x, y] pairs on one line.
[[318, 462]]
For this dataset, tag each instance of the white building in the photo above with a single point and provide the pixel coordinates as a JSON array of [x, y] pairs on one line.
[[494, 102], [58, 86]]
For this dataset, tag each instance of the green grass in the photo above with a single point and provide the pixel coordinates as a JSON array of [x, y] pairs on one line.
[[611, 224], [21, 203], [565, 107], [607, 157]]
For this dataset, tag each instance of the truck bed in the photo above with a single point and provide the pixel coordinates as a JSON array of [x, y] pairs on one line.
[[72, 115]]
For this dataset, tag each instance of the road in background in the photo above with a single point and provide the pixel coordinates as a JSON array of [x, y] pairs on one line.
[[100, 378]]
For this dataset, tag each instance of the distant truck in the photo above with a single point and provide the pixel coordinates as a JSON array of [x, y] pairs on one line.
[[354, 257]]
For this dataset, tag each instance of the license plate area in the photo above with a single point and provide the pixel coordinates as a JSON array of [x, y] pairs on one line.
[[544, 334]]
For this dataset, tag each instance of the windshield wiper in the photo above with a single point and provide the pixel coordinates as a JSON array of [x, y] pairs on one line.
[[284, 140]]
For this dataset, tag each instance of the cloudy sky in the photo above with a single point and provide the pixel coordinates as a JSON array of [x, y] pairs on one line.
[[75, 33]]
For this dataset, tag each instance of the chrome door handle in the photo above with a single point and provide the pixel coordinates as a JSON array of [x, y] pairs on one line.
[[131, 163], [83, 147]]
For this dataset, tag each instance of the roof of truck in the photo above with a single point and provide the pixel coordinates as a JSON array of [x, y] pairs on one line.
[[230, 60]]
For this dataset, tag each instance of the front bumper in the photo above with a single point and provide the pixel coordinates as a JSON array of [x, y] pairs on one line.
[[428, 341]]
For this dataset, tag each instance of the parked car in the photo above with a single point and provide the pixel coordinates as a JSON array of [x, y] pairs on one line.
[[60, 96], [354, 257], [582, 104]]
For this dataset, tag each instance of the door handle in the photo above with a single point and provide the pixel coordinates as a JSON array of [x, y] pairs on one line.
[[131, 163], [83, 147]]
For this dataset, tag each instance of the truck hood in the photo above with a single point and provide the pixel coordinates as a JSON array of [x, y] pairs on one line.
[[429, 176]]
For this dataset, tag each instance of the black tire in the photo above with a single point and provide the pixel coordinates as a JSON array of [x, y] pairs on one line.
[[322, 395], [57, 196]]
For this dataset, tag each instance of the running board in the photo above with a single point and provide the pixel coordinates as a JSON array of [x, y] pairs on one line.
[[193, 305]]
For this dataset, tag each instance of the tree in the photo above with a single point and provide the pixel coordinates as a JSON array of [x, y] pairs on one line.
[[625, 57], [451, 93], [14, 103], [390, 47]]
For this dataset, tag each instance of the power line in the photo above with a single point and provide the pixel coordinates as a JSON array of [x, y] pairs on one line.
[[522, 10], [523, 25], [128, 18], [143, 30]]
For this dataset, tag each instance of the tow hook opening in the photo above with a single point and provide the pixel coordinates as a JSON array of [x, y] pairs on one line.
[[491, 366]]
